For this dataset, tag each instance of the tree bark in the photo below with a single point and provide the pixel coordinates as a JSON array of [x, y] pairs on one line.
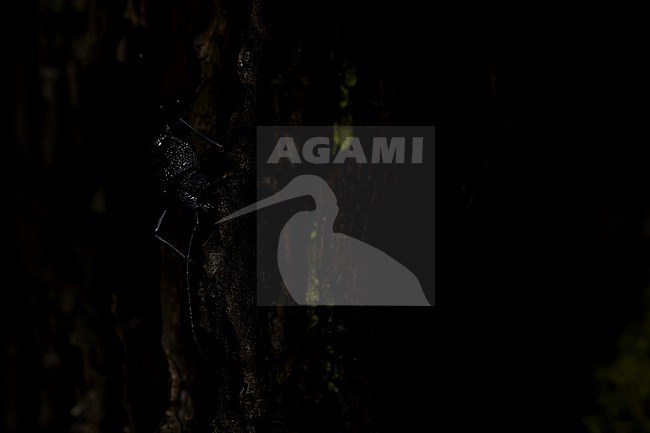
[[124, 343]]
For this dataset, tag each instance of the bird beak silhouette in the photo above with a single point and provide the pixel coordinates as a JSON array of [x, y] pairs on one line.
[[287, 193], [304, 185]]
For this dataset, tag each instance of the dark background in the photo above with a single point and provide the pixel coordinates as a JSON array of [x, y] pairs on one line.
[[542, 224]]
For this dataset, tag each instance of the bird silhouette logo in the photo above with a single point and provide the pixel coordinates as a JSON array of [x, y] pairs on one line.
[[322, 267]]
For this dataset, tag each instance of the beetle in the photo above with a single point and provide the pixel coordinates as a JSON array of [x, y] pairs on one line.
[[179, 173]]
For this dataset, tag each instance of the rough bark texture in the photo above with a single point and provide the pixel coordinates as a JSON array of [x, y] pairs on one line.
[[544, 217], [110, 305]]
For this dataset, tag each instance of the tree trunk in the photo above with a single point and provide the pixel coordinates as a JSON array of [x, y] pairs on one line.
[[126, 340]]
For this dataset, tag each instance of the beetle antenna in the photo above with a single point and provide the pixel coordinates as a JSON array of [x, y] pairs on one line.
[[187, 280], [203, 137]]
